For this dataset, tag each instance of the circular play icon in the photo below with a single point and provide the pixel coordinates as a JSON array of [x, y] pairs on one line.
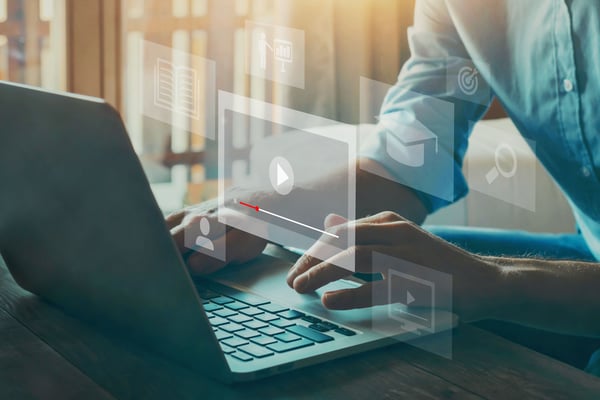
[[281, 175]]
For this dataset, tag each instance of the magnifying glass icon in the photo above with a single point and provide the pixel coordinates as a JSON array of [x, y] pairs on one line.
[[498, 170]]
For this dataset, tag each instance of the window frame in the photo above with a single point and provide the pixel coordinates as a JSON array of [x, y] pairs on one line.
[[94, 49]]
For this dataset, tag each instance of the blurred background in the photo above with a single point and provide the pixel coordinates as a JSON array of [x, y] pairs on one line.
[[91, 47]]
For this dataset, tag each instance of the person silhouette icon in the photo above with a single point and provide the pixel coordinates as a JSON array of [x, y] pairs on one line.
[[263, 46], [204, 241]]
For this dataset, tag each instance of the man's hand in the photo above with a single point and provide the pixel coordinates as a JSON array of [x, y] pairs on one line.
[[476, 280], [240, 246]]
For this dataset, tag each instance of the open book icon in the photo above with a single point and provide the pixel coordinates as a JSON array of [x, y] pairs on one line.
[[177, 88]]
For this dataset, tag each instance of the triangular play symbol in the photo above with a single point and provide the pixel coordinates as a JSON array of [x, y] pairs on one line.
[[409, 298], [282, 177]]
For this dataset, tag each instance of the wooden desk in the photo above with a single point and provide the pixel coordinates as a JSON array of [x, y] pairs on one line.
[[45, 354]]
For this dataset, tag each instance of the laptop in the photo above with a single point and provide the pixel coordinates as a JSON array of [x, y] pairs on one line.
[[79, 226]]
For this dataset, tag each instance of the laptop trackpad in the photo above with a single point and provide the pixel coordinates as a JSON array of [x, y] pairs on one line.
[[266, 277]]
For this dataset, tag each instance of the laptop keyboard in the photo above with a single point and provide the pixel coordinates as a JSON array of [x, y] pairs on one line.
[[249, 327]]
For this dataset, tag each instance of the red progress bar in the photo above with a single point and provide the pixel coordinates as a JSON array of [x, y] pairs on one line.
[[255, 208]]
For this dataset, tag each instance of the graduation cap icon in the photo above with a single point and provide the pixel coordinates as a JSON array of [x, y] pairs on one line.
[[406, 142]]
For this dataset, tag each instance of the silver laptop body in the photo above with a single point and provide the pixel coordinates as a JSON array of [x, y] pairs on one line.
[[79, 226]]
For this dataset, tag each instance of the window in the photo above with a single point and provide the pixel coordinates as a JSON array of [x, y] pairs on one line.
[[32, 42], [179, 164], [92, 47]]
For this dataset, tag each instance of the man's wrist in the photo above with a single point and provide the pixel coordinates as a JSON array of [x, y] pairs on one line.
[[508, 297]]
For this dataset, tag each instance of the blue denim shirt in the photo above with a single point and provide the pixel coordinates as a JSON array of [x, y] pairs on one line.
[[540, 58]]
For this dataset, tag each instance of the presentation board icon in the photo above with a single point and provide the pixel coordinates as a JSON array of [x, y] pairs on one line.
[[275, 53], [283, 52], [178, 88]]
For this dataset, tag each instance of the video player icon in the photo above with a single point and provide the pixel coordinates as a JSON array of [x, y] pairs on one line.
[[281, 175]]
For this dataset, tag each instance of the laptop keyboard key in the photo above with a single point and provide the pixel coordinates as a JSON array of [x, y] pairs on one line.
[[255, 351], [225, 312], [254, 324], [266, 317], [252, 311], [241, 356], [291, 314], [222, 335], [311, 319], [263, 340], [222, 300], [282, 323], [328, 325], [218, 321], [234, 342], [310, 334], [271, 331], [319, 327], [210, 307], [240, 318], [249, 299], [345, 332], [247, 333], [287, 337], [236, 306], [226, 349], [273, 308], [281, 347], [231, 327]]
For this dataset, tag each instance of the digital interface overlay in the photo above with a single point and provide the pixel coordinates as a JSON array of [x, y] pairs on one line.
[[295, 150]]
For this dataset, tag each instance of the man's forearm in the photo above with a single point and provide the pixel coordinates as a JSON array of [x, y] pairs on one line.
[[562, 296]]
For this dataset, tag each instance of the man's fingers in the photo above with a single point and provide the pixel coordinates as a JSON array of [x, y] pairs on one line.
[[305, 262], [333, 220], [318, 276], [242, 247], [175, 218], [203, 264], [178, 235], [359, 297], [382, 228], [328, 271], [384, 216], [386, 233]]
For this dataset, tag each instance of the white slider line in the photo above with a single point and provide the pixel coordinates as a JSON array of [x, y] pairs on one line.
[[258, 209]]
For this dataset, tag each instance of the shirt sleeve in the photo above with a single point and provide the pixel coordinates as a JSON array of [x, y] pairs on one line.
[[426, 98]]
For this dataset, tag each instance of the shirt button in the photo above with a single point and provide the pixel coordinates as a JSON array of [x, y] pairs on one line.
[[586, 171], [568, 85]]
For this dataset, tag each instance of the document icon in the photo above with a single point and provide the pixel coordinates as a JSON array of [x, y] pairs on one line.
[[176, 88], [407, 143]]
